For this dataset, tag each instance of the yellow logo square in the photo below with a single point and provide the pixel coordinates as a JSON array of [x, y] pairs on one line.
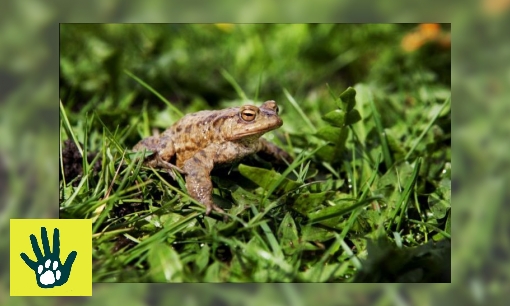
[[51, 257]]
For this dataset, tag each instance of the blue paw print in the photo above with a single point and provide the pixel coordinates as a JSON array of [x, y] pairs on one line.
[[49, 271]]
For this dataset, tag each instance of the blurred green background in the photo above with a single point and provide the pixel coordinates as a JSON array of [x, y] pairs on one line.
[[197, 67], [29, 61]]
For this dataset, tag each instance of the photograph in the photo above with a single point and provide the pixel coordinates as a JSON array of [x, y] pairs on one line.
[[254, 153]]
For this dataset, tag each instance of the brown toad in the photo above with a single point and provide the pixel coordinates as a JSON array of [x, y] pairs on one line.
[[199, 141]]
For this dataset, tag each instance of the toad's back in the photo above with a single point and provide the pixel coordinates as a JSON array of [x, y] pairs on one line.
[[196, 131]]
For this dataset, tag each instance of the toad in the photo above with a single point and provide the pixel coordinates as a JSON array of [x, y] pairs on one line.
[[198, 142]]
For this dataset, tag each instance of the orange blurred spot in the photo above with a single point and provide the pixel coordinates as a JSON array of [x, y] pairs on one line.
[[425, 33], [429, 30], [412, 41], [495, 7]]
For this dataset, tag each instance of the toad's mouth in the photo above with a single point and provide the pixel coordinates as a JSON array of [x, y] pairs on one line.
[[254, 133], [249, 134]]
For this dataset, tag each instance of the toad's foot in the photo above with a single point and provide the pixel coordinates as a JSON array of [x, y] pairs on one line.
[[211, 206], [199, 185]]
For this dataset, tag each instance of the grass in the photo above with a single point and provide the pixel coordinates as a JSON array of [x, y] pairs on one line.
[[366, 199]]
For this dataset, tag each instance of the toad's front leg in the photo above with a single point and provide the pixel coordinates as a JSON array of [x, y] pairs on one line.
[[198, 179], [274, 152]]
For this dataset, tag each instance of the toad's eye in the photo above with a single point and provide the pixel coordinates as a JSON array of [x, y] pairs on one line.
[[248, 115], [277, 110]]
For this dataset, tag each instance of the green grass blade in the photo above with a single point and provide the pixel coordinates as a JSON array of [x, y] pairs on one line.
[[402, 202], [299, 110], [69, 129], [380, 131], [427, 128], [170, 105], [234, 84]]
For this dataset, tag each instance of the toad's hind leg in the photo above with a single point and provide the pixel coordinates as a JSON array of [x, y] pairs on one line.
[[163, 151], [198, 180]]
